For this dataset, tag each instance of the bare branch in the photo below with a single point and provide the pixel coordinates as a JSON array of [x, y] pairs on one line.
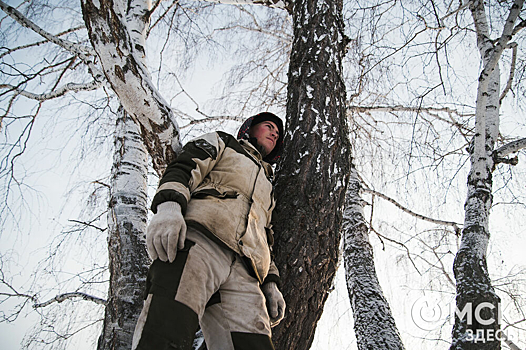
[[400, 108], [174, 2], [512, 46], [70, 87], [519, 27], [38, 43], [83, 52], [72, 47], [503, 40], [280, 4], [157, 3], [14, 292], [209, 119], [87, 224], [509, 148], [455, 225], [66, 296], [460, 8], [381, 237]]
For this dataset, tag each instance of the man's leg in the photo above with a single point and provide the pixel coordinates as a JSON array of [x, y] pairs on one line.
[[177, 294], [236, 317]]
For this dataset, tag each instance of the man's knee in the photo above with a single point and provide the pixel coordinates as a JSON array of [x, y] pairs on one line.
[[169, 324], [164, 322]]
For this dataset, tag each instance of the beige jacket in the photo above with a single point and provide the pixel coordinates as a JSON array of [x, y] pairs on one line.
[[225, 190]]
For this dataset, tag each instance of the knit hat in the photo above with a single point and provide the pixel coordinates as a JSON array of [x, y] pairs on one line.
[[244, 130]]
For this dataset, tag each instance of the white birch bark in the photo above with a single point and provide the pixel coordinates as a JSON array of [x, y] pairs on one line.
[[374, 324], [128, 260], [470, 267], [117, 32]]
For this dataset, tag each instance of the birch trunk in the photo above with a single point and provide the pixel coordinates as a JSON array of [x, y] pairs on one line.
[[116, 30], [374, 324], [128, 260], [312, 175], [479, 327]]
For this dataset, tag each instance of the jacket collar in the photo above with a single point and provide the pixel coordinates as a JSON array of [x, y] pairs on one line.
[[255, 153]]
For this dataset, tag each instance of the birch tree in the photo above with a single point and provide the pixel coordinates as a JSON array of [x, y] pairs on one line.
[[128, 260], [474, 287], [374, 323]]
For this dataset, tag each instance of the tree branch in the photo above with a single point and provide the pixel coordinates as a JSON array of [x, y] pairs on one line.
[[506, 36], [509, 148], [87, 224], [70, 87], [60, 298], [279, 4], [38, 43], [519, 27], [460, 8], [83, 52], [400, 108], [410, 212], [512, 46], [382, 237], [123, 60], [432, 111]]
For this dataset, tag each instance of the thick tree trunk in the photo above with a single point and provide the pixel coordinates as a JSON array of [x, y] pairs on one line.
[[116, 29], [374, 324], [477, 314], [312, 175], [128, 260]]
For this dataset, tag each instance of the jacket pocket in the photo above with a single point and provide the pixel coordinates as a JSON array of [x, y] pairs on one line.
[[205, 192]]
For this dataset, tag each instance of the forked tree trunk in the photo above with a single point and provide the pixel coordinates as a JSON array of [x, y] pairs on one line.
[[477, 314], [374, 324], [128, 260], [312, 175]]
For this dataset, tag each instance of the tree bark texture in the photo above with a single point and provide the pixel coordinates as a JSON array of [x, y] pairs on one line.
[[479, 327], [312, 175], [374, 324], [128, 260], [116, 30]]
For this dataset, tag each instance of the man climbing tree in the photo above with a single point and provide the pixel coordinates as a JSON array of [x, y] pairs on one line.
[[211, 241]]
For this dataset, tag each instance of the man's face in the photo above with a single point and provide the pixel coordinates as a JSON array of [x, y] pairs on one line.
[[267, 134]]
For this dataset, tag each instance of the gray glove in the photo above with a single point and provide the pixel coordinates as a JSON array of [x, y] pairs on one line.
[[275, 302], [166, 232]]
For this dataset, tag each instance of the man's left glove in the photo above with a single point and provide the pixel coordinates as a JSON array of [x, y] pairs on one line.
[[275, 302]]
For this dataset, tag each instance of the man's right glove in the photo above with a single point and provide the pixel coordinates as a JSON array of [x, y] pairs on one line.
[[166, 232]]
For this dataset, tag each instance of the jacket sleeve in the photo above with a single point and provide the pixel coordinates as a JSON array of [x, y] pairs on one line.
[[186, 172], [273, 272], [273, 275]]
